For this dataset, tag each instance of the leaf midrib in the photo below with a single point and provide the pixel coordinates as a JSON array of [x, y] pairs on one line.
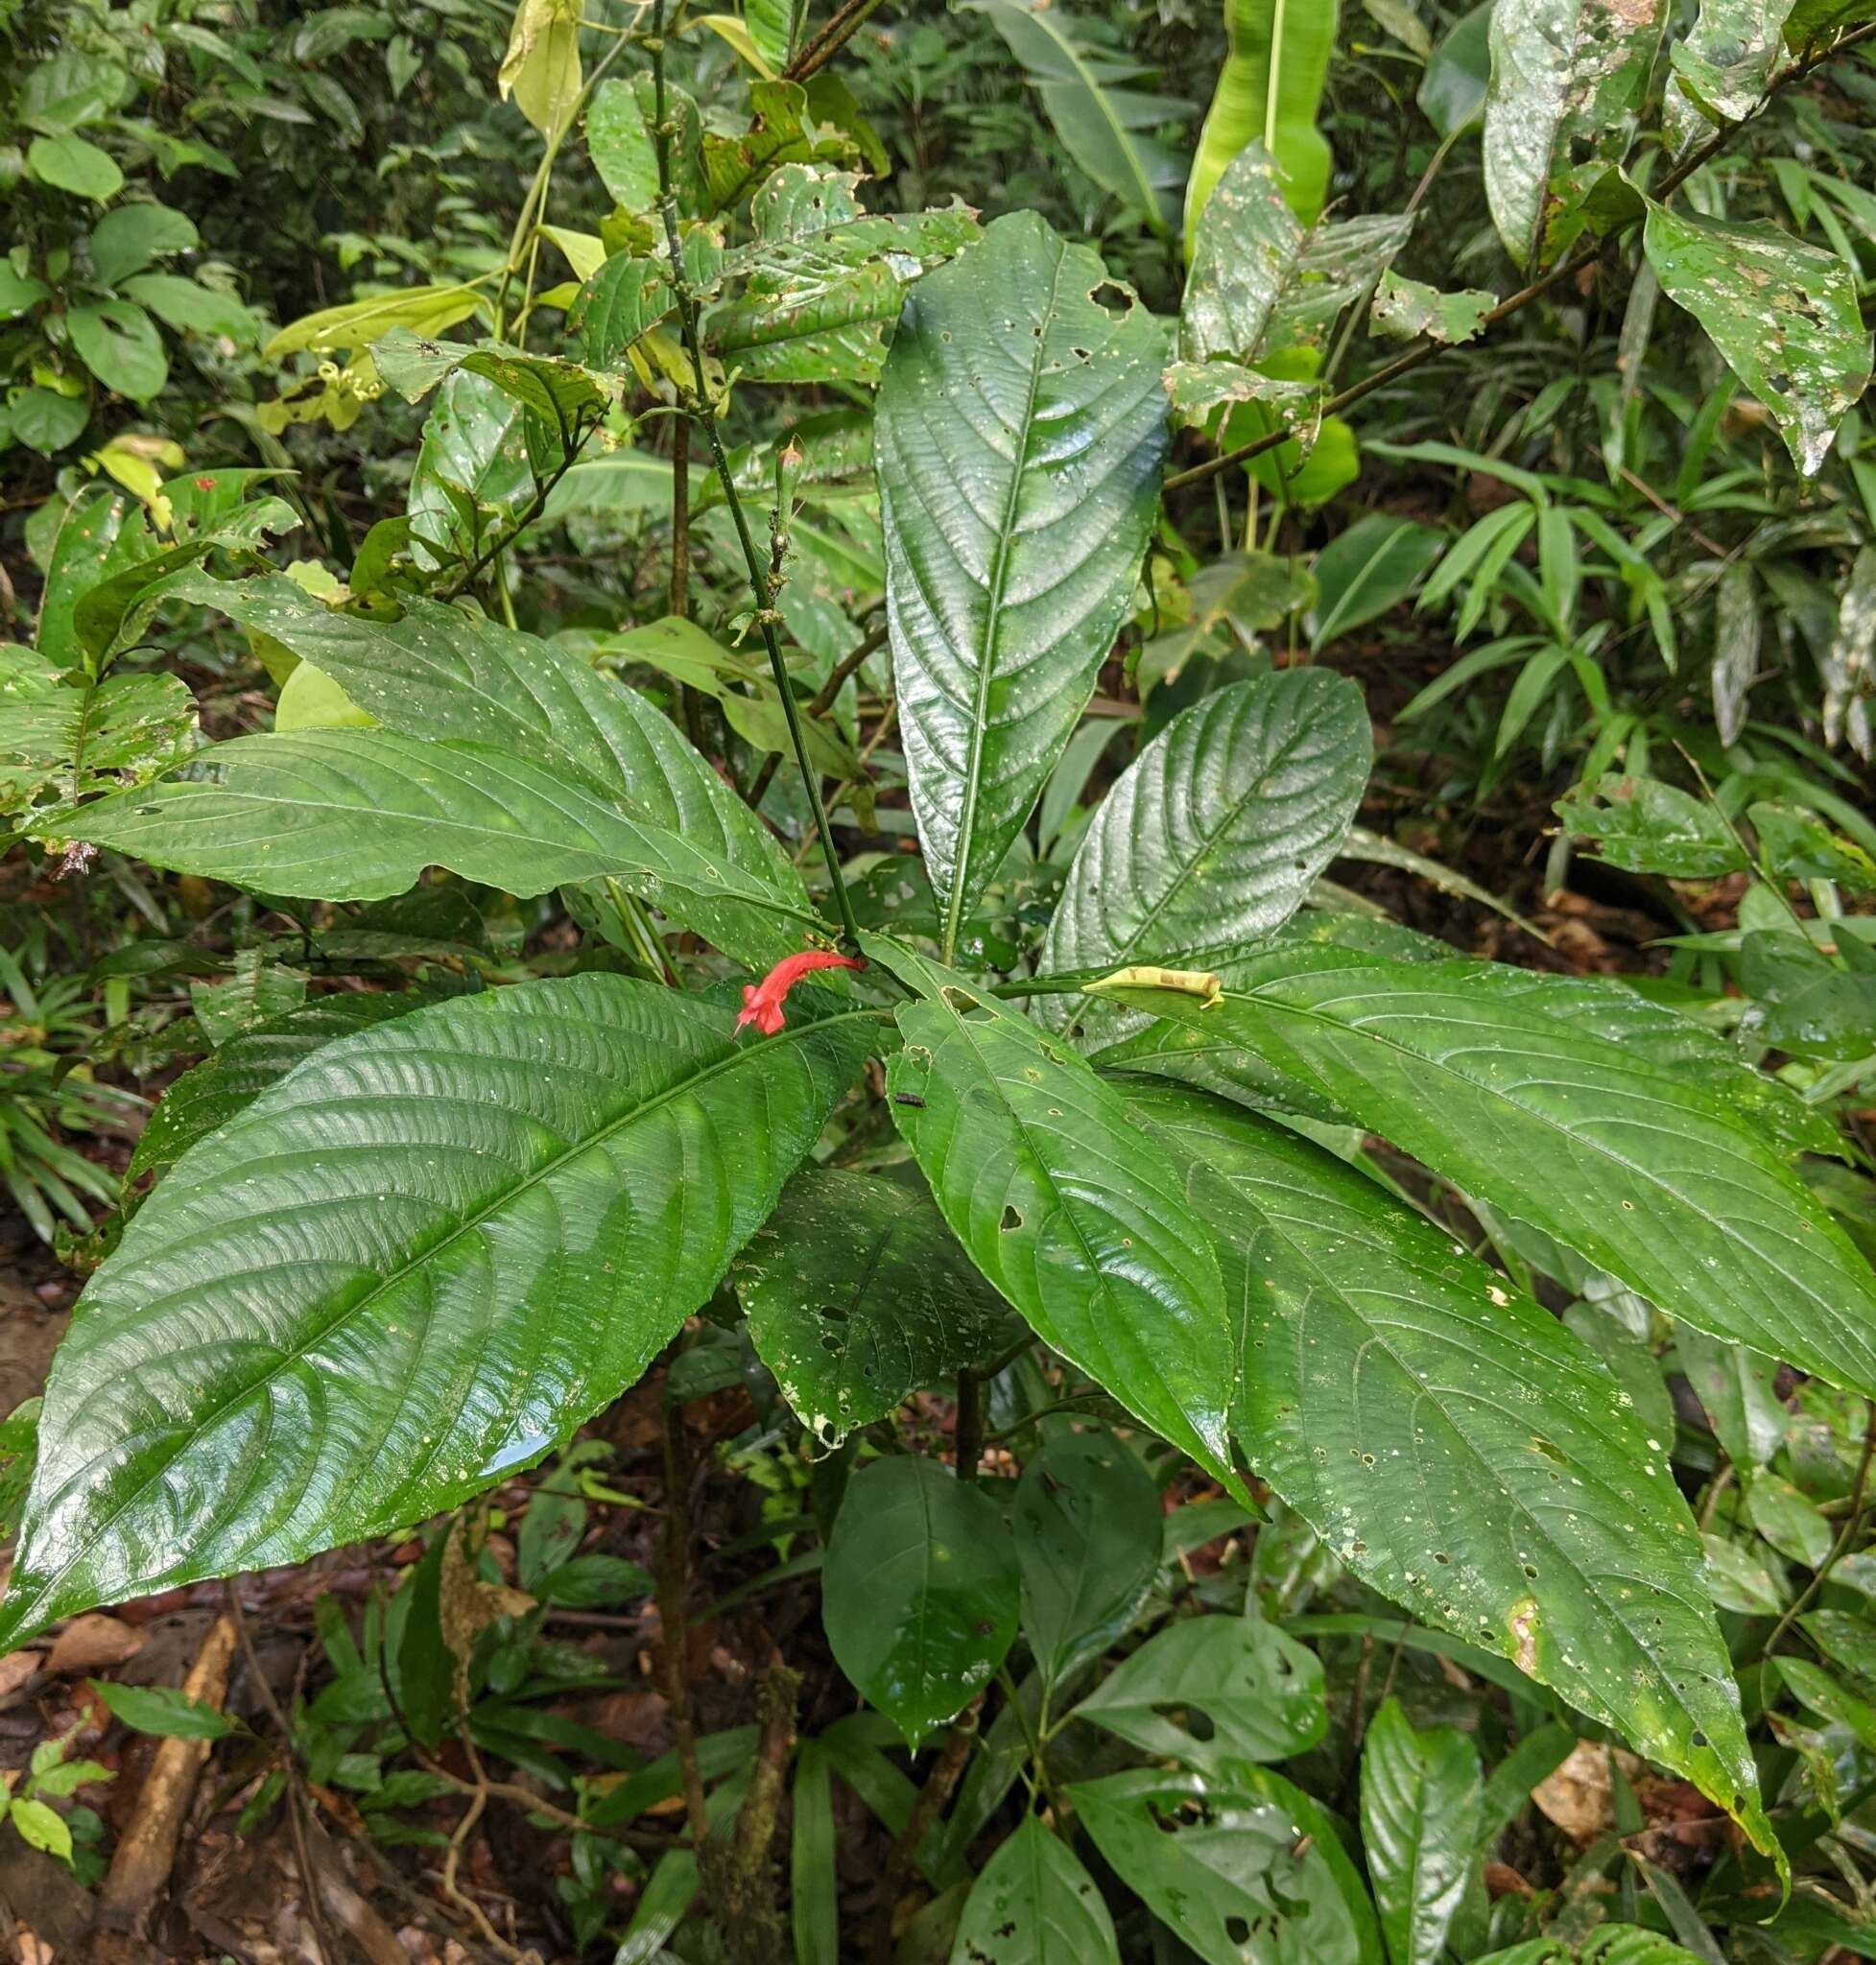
[[1149, 197], [431, 1250], [955, 901]]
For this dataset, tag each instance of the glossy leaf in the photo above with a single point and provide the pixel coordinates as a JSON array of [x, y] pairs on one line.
[[1568, 78], [1653, 1179], [1269, 93], [1033, 1162], [1247, 1869], [1212, 1691], [1455, 1445], [359, 814], [1209, 842], [621, 145], [1034, 1904], [472, 483], [1105, 121], [1452, 92], [1421, 1797], [919, 1592], [1649, 827], [857, 1294], [1263, 282], [1087, 1525], [521, 1196], [1782, 313], [1018, 472]]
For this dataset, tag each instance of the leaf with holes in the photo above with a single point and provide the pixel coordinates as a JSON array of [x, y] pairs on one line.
[[1243, 1689], [1034, 1904], [1456, 1446], [919, 1591], [857, 1294], [1020, 436], [522, 1196], [1209, 842], [1033, 1162]]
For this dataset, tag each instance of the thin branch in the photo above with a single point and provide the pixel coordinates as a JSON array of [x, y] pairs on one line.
[[830, 40], [822, 703], [1563, 271]]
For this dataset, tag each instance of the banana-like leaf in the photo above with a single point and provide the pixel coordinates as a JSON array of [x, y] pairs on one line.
[[1568, 78], [1262, 282], [1459, 1447], [1784, 314], [1645, 1175], [1105, 121], [358, 815], [1032, 1160], [413, 1266], [1020, 437], [1269, 93], [1209, 842], [452, 677]]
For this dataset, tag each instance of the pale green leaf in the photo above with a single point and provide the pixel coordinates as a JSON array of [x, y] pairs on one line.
[[1403, 310]]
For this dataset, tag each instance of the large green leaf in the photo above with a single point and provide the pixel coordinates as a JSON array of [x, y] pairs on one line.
[[856, 1295], [413, 1266], [1088, 1531], [472, 483], [1421, 1797], [1650, 1178], [451, 676], [1459, 1447], [358, 815], [1034, 1904], [1269, 93], [1263, 282], [1568, 78], [1210, 841], [1784, 315], [919, 1591], [1242, 1865], [1034, 1163], [1105, 120], [1021, 434]]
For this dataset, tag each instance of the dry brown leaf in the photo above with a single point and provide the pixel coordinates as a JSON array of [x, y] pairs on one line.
[[93, 1643]]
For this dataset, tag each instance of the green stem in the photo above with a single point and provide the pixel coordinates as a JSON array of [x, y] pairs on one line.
[[698, 404]]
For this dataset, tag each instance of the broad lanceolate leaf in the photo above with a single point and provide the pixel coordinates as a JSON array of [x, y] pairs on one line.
[[1261, 281], [919, 1592], [1034, 1163], [1210, 841], [450, 677], [1269, 93], [1459, 1447], [1784, 315], [1034, 1904], [358, 815], [1656, 1180], [1367, 569], [1105, 121], [1243, 1689], [857, 1293], [414, 1264], [1421, 1806], [1020, 436], [1089, 1532], [1567, 80], [1242, 1865], [472, 483]]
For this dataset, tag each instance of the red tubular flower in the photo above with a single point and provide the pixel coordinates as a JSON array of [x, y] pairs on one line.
[[762, 1002]]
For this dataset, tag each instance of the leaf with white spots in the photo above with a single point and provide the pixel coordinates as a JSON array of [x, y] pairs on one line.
[[1784, 314], [1456, 1446]]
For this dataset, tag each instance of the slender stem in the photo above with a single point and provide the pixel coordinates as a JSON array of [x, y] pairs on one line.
[[967, 1436], [1852, 1528], [1563, 270], [673, 1587], [678, 597], [823, 702], [698, 404], [830, 40]]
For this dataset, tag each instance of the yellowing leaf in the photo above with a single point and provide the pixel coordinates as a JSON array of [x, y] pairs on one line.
[[541, 68]]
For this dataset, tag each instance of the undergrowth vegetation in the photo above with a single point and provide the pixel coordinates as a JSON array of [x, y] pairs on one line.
[[1022, 855]]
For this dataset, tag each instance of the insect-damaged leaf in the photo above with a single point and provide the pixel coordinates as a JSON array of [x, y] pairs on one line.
[[1459, 1447]]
